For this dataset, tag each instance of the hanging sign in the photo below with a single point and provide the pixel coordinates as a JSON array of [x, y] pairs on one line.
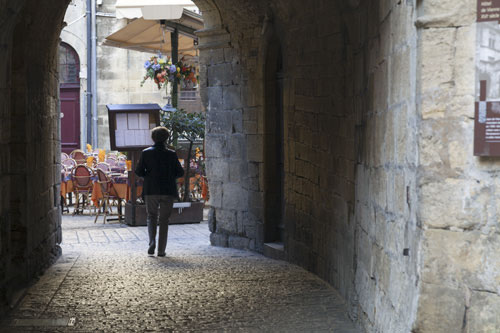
[[130, 125]]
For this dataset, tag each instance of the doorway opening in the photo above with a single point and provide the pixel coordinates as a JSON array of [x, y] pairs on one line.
[[274, 195], [69, 92]]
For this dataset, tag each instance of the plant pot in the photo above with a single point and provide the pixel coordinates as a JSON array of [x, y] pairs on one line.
[[187, 212], [183, 212]]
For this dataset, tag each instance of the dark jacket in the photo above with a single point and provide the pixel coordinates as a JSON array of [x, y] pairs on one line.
[[160, 167]]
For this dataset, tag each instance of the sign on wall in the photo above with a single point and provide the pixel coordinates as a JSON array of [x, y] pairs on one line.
[[488, 10], [487, 106]]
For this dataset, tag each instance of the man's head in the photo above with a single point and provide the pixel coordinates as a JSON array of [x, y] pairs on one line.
[[159, 134]]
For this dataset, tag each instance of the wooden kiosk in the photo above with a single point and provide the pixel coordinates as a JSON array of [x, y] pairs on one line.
[[130, 130]]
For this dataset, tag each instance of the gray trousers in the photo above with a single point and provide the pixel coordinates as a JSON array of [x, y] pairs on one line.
[[158, 208]]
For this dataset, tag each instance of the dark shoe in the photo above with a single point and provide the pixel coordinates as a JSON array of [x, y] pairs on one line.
[[161, 254], [151, 250]]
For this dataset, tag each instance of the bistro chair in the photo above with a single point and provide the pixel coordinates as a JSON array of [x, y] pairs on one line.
[[82, 185], [111, 160], [79, 156], [69, 163], [64, 204], [64, 157], [103, 166], [108, 193]]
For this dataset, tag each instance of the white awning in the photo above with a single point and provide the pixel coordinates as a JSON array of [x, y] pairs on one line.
[[152, 9]]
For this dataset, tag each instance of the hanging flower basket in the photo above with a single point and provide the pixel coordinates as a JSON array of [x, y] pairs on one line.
[[162, 71]]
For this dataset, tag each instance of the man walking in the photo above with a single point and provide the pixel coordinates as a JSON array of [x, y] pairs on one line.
[[160, 167]]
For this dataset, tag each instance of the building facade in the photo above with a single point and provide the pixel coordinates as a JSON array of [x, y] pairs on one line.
[[119, 73]]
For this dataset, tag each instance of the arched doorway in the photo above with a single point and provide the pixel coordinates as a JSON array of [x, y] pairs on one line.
[[69, 85], [274, 206]]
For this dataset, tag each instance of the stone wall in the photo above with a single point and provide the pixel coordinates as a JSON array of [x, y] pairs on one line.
[[30, 169], [350, 143], [384, 102], [458, 193]]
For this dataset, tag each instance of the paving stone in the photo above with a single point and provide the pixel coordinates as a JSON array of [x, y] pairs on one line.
[[107, 283]]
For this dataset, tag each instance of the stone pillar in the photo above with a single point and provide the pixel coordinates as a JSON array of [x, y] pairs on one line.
[[458, 193]]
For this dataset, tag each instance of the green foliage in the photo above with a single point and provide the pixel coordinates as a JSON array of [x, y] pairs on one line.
[[190, 126]]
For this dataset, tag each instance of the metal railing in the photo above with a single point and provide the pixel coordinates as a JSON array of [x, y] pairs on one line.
[[189, 95]]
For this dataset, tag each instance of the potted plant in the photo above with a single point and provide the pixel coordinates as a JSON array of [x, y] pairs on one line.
[[191, 127], [183, 125]]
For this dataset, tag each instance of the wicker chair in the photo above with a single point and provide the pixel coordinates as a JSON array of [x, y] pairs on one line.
[[111, 160], [69, 163], [103, 166], [108, 193], [64, 203], [79, 156], [64, 157], [82, 185]]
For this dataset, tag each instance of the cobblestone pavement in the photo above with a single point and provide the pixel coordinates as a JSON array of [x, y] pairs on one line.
[[106, 282]]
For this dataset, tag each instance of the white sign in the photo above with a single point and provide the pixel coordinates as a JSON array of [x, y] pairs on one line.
[[133, 129]]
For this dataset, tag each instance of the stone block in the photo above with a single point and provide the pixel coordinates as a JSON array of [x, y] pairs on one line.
[[238, 242], [234, 196], [380, 87], [484, 312], [238, 171], [212, 97], [256, 204], [215, 193], [237, 121], [402, 27], [219, 75], [365, 289], [219, 239], [250, 113], [237, 147], [465, 70], [447, 13], [219, 122], [453, 258], [226, 221], [459, 150], [212, 56], [440, 309], [255, 149], [231, 55], [250, 127], [437, 58], [442, 207], [216, 146], [251, 96], [231, 98], [401, 75], [217, 169]]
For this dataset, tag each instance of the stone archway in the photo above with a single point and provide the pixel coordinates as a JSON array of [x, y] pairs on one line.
[[363, 148], [29, 209]]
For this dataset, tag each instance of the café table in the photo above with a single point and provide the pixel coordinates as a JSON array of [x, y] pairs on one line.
[[121, 185]]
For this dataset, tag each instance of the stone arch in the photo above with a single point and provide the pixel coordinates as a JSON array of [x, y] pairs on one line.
[[351, 161], [31, 215]]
